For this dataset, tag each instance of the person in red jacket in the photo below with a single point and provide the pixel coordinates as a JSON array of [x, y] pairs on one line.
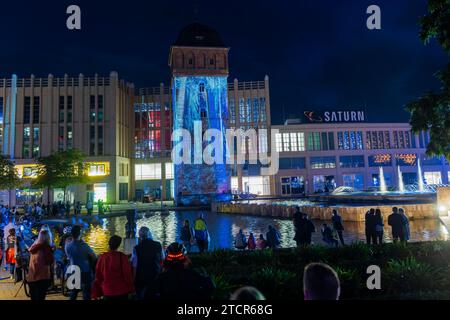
[[113, 274]]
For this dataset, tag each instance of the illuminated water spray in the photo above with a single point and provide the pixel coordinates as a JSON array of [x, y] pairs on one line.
[[419, 176], [401, 185], [383, 187]]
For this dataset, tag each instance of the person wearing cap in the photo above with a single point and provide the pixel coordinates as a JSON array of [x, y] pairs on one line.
[[179, 281], [146, 260]]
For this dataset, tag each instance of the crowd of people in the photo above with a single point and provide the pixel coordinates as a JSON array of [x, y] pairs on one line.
[[153, 272], [374, 225], [57, 208]]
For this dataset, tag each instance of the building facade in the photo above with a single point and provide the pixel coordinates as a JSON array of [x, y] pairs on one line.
[[39, 116], [318, 157]]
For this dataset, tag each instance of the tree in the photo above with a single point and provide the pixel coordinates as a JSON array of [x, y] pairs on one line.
[[8, 176], [432, 110], [61, 170]]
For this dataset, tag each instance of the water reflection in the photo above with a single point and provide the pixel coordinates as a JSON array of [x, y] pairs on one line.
[[165, 227]]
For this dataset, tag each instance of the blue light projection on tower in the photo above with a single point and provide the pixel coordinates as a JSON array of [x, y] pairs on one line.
[[201, 98]]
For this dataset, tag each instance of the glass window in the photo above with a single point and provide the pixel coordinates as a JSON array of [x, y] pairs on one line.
[[314, 141], [26, 110], [301, 141], [293, 141], [255, 109], [148, 171], [123, 191], [169, 170], [36, 109], [380, 160], [241, 110], [100, 102], [231, 107], [432, 161], [351, 161], [324, 141], [262, 105], [61, 102], [26, 142], [433, 177], [248, 110], [323, 162], [278, 142], [331, 140], [69, 103], [35, 142], [406, 159], [354, 180], [286, 142], [60, 138], [92, 102]]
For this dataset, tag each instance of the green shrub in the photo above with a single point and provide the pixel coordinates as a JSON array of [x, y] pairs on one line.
[[410, 275], [350, 281], [224, 288], [276, 283]]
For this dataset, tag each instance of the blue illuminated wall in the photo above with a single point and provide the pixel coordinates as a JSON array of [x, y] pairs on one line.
[[201, 98]]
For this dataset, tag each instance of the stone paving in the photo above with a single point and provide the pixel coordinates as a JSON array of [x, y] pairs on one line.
[[10, 291]]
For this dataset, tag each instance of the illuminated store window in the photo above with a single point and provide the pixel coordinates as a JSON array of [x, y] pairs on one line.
[[148, 171], [354, 180], [169, 170], [323, 183], [433, 177], [98, 169], [100, 192], [292, 185]]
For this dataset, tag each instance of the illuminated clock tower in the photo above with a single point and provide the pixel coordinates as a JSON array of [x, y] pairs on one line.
[[199, 65]]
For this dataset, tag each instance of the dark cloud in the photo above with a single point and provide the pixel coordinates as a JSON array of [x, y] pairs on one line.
[[318, 53]]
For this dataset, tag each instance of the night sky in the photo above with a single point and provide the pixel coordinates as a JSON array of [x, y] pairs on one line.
[[318, 54]]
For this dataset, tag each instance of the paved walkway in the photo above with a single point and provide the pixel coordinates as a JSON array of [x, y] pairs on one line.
[[8, 290]]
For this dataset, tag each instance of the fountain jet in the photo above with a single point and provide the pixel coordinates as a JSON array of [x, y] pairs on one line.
[[401, 185], [382, 181], [419, 176]]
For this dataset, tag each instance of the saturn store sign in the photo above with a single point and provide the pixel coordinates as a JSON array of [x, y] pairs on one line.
[[335, 116]]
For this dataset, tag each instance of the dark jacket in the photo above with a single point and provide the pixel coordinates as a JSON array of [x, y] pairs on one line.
[[149, 256], [370, 222], [395, 220], [337, 223], [184, 284]]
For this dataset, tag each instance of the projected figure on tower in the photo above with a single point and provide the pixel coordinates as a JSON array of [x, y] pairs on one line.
[[199, 65]]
